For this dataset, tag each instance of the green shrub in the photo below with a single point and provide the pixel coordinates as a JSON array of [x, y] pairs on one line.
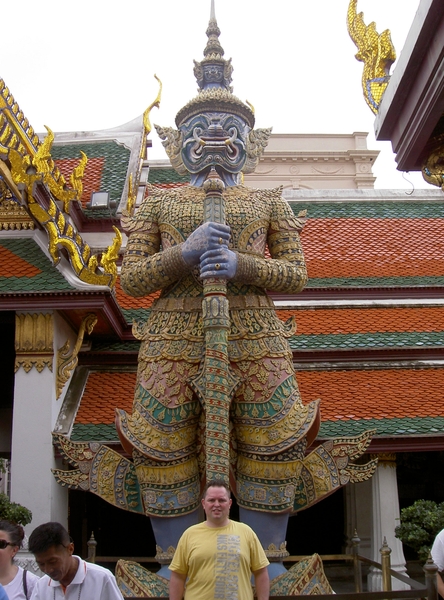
[[11, 511], [420, 523]]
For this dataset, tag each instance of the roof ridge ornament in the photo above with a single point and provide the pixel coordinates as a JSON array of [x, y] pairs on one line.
[[377, 53]]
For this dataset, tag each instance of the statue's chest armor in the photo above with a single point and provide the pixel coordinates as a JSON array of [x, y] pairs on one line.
[[241, 214]]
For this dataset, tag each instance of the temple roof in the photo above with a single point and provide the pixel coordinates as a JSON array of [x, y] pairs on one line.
[[26, 268], [397, 402], [370, 321], [106, 170]]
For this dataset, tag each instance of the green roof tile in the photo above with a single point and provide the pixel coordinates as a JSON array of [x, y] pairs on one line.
[[352, 341], [116, 158], [384, 427], [136, 314], [118, 347], [94, 433], [375, 282], [158, 176], [370, 210], [49, 279]]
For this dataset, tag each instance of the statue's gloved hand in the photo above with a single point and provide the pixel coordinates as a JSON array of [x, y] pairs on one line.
[[208, 236], [218, 262]]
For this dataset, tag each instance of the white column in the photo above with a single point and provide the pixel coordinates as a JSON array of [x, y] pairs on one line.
[[358, 515], [385, 518], [38, 337]]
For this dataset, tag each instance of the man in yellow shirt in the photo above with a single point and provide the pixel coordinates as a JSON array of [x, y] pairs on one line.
[[214, 560]]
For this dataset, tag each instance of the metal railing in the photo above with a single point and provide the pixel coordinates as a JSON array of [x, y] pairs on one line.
[[418, 590]]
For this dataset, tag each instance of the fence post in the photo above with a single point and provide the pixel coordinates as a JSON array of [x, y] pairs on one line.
[[92, 546], [431, 573], [385, 562], [356, 562]]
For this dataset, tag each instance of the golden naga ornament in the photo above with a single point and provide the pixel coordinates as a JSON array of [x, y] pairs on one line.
[[31, 163], [433, 167], [377, 53]]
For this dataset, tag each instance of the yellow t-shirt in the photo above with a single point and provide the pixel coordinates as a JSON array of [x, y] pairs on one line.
[[218, 561]]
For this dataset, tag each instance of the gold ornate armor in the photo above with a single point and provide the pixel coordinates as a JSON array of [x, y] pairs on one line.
[[270, 424]]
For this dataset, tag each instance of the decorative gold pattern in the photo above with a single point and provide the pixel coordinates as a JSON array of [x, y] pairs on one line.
[[164, 558], [12, 214], [33, 341], [67, 361], [275, 553], [305, 578], [433, 167], [60, 231], [135, 581], [377, 53], [280, 483], [31, 164], [146, 119], [101, 471]]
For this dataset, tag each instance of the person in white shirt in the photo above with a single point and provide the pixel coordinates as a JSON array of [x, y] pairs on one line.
[[17, 583], [438, 558], [67, 576]]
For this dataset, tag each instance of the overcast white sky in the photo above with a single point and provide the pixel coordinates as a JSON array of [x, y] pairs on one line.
[[89, 64]]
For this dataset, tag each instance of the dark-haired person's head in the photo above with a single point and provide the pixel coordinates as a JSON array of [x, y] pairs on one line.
[[11, 539], [216, 503], [47, 535], [52, 547], [216, 483]]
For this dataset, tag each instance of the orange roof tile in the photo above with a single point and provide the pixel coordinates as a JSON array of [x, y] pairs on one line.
[[377, 394], [104, 392], [365, 320], [345, 395], [92, 180], [363, 247], [14, 266], [128, 302]]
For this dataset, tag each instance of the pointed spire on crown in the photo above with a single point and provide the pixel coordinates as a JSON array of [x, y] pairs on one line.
[[213, 76], [213, 47], [213, 70]]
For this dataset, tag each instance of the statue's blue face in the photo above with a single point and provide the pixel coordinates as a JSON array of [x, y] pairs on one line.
[[214, 139]]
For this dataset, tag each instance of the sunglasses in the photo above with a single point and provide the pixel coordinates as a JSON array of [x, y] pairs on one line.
[[4, 544]]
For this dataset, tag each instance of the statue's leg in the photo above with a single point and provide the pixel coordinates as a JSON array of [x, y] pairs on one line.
[[161, 434], [271, 530], [167, 532], [271, 427]]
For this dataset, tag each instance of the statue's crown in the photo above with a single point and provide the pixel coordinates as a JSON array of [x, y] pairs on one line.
[[213, 75]]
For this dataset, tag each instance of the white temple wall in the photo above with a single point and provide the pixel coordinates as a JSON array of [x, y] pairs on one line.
[[34, 414]]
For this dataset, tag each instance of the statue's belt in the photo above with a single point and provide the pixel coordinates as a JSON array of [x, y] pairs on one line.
[[195, 304]]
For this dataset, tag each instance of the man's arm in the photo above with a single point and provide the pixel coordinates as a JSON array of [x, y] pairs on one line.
[[262, 584], [440, 584], [177, 585]]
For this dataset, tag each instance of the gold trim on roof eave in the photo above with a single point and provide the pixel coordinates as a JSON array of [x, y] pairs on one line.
[[31, 164]]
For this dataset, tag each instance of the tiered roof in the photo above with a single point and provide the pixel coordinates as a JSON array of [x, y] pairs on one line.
[[370, 331], [370, 321]]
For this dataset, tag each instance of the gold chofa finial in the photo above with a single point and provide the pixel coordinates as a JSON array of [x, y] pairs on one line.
[[377, 53]]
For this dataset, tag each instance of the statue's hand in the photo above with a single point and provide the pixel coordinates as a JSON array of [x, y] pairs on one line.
[[218, 262], [209, 236]]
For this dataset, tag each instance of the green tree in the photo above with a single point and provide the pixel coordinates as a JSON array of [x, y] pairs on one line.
[[11, 511], [420, 523]]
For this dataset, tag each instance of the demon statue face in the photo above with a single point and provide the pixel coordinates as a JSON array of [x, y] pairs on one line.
[[215, 129], [218, 139]]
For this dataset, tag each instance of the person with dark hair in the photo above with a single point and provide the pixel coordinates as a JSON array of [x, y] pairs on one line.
[[67, 575], [215, 559], [17, 582]]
